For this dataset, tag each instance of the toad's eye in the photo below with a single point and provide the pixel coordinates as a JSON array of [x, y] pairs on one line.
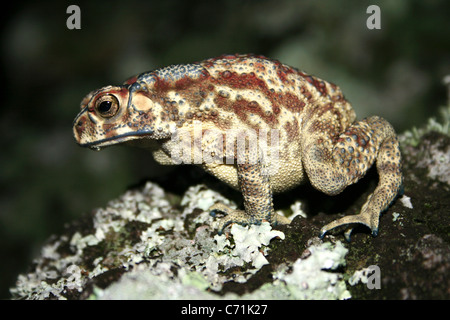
[[107, 106]]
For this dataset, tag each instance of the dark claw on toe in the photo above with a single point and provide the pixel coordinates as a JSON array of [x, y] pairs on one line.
[[374, 232], [401, 190], [226, 224], [213, 213]]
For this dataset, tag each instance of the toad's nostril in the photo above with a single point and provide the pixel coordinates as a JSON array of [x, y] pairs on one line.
[[79, 127]]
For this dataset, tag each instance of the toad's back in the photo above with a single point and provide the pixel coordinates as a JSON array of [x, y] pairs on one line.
[[247, 90]]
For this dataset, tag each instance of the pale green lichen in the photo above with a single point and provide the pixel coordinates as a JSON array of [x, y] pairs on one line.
[[437, 162], [250, 241], [366, 275], [311, 279], [434, 152], [413, 137], [406, 202], [308, 278], [297, 210], [168, 253], [143, 284]]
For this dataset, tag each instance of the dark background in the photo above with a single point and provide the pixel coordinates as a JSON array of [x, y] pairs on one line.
[[46, 180]]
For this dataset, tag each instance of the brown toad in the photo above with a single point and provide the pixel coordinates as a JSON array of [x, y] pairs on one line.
[[218, 108]]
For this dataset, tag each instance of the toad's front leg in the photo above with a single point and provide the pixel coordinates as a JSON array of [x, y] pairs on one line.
[[254, 185]]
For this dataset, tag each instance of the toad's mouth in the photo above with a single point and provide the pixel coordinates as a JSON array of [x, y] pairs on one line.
[[126, 137]]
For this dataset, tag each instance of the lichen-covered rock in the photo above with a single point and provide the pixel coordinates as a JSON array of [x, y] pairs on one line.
[[142, 247], [306, 280], [429, 147]]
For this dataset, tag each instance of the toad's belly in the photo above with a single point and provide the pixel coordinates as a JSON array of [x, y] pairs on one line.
[[283, 175]]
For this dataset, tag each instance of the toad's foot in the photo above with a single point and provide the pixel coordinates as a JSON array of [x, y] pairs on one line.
[[367, 218], [241, 217]]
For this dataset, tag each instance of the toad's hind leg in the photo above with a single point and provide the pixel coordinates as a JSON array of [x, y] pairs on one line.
[[354, 152]]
